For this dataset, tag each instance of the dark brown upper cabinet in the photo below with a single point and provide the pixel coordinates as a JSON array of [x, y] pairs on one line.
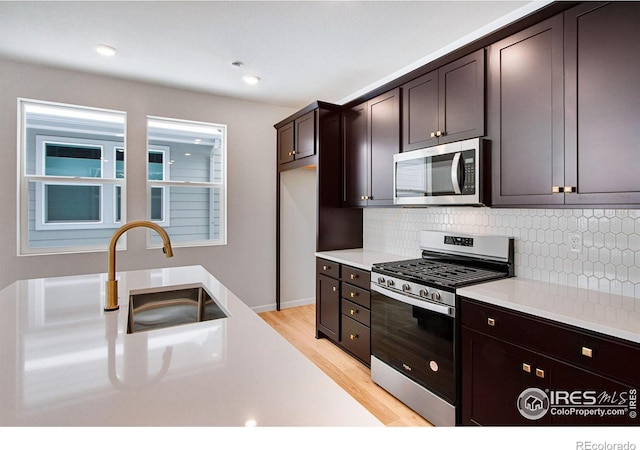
[[602, 79], [371, 136], [563, 103], [525, 112], [444, 105], [314, 132], [297, 139]]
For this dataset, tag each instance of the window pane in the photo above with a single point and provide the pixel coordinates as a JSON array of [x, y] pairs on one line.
[[156, 204], [156, 165], [65, 127], [72, 161], [72, 203], [118, 204], [119, 162], [196, 214], [196, 149]]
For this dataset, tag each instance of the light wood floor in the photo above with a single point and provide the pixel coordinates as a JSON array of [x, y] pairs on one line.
[[297, 325]]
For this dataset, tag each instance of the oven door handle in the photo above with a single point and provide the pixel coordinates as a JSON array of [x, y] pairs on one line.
[[424, 304]]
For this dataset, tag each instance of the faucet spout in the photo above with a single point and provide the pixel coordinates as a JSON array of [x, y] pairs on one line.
[[111, 297]]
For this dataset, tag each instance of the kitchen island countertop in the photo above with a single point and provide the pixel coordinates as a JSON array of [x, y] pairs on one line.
[[66, 362]]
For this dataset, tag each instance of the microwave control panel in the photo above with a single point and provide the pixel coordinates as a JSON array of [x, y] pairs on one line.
[[469, 175]]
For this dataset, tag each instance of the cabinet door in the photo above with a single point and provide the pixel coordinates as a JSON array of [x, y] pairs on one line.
[[603, 105], [286, 145], [384, 135], [328, 306], [560, 377], [420, 112], [525, 109], [355, 151], [305, 135], [461, 98], [494, 374]]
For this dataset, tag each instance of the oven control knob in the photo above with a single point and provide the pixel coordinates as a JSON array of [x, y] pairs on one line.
[[381, 280], [406, 287], [391, 283], [424, 293], [435, 295]]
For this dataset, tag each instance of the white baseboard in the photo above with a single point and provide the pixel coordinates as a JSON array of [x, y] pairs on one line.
[[284, 305]]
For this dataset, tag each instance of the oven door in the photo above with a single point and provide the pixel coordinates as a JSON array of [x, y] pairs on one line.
[[416, 338]]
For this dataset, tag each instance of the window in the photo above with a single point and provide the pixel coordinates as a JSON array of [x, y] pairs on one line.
[[186, 181], [72, 177], [72, 187]]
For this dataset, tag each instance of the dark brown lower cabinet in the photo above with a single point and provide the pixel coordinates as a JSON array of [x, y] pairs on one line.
[[504, 370], [327, 299], [343, 307]]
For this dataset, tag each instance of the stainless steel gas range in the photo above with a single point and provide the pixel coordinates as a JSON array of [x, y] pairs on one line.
[[414, 318]]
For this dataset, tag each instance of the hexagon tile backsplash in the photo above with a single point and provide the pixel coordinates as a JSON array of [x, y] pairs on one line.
[[589, 248]]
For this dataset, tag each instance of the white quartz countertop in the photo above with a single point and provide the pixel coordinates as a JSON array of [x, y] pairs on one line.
[[66, 362], [613, 315], [360, 258]]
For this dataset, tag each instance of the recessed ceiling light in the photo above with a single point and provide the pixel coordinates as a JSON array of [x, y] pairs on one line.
[[251, 79], [106, 50]]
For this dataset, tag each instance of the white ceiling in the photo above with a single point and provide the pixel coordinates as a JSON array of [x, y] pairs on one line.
[[302, 50]]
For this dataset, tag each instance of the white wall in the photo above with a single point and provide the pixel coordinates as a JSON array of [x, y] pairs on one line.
[[298, 197], [246, 264], [608, 261]]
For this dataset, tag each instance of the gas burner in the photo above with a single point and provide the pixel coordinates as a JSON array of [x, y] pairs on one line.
[[437, 273]]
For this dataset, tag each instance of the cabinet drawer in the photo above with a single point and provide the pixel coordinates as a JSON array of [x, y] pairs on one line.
[[360, 278], [356, 338], [356, 312], [357, 295], [329, 268], [497, 322], [603, 355]]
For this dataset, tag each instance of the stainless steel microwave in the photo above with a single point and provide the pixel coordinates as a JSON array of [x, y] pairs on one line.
[[448, 174]]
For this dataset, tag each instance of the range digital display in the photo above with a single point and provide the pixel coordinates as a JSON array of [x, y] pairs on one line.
[[457, 240]]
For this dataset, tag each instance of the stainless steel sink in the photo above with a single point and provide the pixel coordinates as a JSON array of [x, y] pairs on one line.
[[154, 308]]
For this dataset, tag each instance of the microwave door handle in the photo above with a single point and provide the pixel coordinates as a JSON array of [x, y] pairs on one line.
[[455, 179]]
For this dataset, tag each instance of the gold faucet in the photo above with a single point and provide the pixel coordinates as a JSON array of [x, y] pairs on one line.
[[111, 299]]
